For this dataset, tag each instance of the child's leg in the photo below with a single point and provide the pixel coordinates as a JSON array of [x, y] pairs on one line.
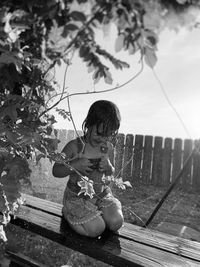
[[93, 228], [112, 213], [83, 216]]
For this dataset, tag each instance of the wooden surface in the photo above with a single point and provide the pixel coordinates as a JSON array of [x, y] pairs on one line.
[[157, 161], [132, 246], [187, 175], [137, 158], [128, 157], [196, 168], [177, 158], [19, 260], [179, 230], [166, 161], [147, 159]]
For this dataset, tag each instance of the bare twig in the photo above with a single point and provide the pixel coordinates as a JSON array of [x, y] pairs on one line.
[[63, 88], [71, 117], [58, 94], [111, 89]]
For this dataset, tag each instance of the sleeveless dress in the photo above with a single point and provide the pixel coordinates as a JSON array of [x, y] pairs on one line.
[[80, 209]]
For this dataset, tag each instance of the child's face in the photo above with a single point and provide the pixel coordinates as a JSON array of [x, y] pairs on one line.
[[97, 136]]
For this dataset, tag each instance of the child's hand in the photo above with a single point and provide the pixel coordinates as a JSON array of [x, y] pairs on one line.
[[82, 165], [105, 166]]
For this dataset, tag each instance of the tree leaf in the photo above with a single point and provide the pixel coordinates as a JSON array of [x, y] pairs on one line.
[[83, 51], [91, 68], [150, 57], [97, 76], [119, 43], [76, 15], [151, 39], [71, 27], [108, 78]]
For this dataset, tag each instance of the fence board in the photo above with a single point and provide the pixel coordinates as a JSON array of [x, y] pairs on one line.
[[119, 153], [186, 177], [177, 158], [137, 158], [157, 161], [147, 159], [128, 156], [79, 133], [70, 135], [196, 168], [62, 136], [166, 161]]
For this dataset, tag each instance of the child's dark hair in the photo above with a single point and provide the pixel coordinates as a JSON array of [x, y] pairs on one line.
[[103, 112]]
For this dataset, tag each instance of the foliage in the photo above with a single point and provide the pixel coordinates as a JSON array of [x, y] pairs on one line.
[[36, 35]]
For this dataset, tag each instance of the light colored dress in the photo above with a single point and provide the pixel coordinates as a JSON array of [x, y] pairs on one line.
[[79, 209]]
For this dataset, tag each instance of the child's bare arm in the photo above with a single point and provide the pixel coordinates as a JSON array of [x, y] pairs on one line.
[[82, 165], [60, 170]]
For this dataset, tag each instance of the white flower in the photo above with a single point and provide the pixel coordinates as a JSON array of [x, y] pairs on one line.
[[2, 234]]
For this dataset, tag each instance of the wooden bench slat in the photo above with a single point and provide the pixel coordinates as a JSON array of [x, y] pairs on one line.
[[136, 233], [20, 260], [112, 249], [43, 204], [177, 245]]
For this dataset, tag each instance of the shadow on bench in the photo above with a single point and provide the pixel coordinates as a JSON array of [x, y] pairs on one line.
[[131, 246]]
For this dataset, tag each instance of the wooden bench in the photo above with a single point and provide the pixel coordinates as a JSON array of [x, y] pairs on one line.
[[131, 246]]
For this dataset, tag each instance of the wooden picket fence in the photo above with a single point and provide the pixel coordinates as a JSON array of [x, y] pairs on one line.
[[151, 160]]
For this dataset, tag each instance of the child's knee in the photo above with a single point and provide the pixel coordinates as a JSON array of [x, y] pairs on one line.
[[114, 223], [95, 227]]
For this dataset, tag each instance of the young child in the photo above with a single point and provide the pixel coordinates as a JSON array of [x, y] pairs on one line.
[[90, 157]]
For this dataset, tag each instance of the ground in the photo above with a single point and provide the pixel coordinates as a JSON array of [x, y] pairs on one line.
[[138, 202]]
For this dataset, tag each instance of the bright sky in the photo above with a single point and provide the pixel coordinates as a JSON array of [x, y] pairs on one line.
[[143, 105]]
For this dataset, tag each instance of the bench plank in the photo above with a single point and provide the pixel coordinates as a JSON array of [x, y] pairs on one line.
[[19, 260], [166, 242], [111, 249], [177, 245]]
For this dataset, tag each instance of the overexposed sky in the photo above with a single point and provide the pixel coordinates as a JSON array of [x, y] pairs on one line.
[[143, 105]]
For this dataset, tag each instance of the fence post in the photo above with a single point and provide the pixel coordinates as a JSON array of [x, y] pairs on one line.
[[186, 177], [196, 168], [157, 161], [119, 153], [62, 136], [166, 161], [137, 158], [128, 157], [147, 159], [177, 158], [70, 135]]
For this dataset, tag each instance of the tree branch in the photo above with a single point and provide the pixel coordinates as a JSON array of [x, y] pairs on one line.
[[97, 92]]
